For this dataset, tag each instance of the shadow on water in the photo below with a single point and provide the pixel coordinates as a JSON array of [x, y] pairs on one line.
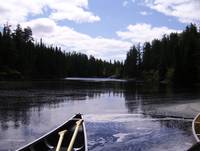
[[120, 115]]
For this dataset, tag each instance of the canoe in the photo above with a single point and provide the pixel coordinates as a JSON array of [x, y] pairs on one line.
[[69, 136], [196, 133], [196, 127]]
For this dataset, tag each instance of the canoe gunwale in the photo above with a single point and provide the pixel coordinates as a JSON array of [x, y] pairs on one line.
[[193, 128], [48, 133], [85, 134]]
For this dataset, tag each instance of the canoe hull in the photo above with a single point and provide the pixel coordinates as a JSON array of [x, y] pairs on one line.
[[196, 127], [49, 141]]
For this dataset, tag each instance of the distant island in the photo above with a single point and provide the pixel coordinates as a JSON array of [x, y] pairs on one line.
[[173, 59]]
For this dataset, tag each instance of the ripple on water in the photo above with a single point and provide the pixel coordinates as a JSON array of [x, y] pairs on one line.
[[135, 132]]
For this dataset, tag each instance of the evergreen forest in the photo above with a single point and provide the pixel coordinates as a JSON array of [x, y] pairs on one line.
[[23, 58], [175, 58]]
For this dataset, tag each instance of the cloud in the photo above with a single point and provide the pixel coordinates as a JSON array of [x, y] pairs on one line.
[[186, 11], [15, 11], [73, 10], [69, 39], [143, 13], [125, 3], [144, 32], [41, 26]]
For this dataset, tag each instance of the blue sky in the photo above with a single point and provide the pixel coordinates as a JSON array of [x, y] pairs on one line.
[[115, 16], [103, 28]]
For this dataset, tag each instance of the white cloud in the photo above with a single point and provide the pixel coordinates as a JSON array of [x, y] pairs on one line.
[[133, 1], [74, 10], [143, 13], [186, 11], [17, 11], [125, 3], [69, 39], [144, 32], [14, 11], [41, 26]]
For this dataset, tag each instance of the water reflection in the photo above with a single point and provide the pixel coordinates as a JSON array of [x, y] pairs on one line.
[[18, 102], [30, 109]]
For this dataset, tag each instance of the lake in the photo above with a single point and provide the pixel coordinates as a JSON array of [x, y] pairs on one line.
[[119, 115]]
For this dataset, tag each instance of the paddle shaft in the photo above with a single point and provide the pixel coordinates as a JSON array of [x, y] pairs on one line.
[[62, 133], [78, 123]]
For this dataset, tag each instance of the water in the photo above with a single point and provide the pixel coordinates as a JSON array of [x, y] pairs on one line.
[[119, 115]]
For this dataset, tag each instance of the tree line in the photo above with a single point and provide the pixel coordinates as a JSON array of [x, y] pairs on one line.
[[23, 58], [174, 58]]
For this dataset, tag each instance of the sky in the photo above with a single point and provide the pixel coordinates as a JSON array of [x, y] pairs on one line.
[[105, 29]]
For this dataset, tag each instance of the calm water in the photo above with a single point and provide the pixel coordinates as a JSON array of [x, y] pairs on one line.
[[119, 115]]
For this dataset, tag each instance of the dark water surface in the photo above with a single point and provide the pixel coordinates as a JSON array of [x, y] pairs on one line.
[[119, 116]]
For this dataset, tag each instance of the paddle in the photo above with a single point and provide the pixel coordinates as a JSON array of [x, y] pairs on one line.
[[62, 133], [78, 123]]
